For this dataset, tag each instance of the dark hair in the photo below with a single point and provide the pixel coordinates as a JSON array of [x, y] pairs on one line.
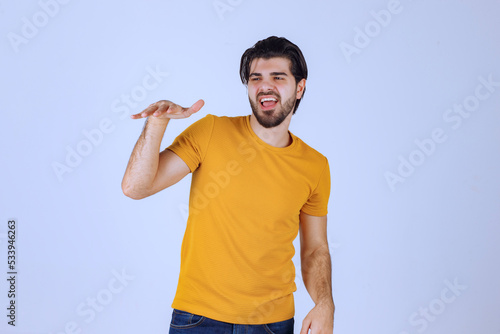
[[275, 47]]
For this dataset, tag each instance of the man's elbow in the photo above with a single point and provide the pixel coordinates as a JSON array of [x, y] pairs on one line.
[[320, 250], [132, 193]]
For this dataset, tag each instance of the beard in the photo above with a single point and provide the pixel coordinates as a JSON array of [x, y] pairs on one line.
[[273, 117]]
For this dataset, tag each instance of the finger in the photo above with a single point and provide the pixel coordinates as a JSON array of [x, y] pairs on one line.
[[151, 110], [306, 324], [161, 110], [145, 112], [136, 116], [196, 107], [174, 109]]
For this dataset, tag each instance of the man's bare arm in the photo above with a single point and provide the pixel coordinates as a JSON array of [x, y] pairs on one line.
[[149, 171], [316, 273]]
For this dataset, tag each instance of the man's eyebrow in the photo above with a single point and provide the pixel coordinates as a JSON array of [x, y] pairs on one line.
[[272, 74]]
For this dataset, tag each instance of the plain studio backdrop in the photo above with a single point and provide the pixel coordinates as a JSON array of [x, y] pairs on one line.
[[403, 99]]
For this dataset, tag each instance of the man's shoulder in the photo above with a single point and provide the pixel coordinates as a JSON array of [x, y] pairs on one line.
[[308, 151], [226, 121], [223, 118], [215, 120]]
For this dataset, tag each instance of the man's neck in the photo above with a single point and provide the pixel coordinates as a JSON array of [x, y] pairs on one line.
[[277, 136]]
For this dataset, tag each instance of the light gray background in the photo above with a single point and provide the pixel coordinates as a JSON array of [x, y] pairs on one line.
[[396, 249]]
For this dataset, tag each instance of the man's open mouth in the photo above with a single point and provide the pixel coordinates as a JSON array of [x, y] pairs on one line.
[[268, 102]]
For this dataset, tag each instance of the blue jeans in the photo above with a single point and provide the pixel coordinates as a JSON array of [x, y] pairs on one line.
[[188, 323]]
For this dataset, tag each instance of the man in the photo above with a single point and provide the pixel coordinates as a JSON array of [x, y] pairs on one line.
[[254, 186]]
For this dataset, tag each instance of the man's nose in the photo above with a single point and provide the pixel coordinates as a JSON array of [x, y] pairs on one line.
[[266, 85]]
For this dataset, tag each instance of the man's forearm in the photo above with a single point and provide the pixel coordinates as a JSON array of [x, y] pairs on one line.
[[317, 276], [143, 164]]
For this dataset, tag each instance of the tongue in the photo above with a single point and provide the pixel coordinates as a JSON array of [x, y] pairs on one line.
[[268, 104]]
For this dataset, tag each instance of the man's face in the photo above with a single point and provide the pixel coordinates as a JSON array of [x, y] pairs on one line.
[[272, 90]]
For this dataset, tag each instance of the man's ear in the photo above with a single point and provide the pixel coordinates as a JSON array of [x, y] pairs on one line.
[[300, 88]]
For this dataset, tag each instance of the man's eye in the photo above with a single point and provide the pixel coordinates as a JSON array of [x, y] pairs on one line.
[[278, 78], [255, 79]]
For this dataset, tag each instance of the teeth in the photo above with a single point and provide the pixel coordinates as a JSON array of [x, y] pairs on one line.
[[268, 99]]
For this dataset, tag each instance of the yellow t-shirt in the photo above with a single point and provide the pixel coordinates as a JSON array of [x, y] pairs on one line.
[[245, 200]]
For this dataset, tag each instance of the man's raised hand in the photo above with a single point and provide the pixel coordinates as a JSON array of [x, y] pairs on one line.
[[168, 109]]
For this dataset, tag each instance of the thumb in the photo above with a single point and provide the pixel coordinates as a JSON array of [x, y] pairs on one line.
[[197, 106]]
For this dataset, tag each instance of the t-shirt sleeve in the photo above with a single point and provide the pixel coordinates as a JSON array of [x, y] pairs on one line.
[[317, 203], [192, 144]]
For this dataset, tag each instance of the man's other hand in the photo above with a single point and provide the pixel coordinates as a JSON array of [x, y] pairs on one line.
[[319, 320], [168, 109]]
